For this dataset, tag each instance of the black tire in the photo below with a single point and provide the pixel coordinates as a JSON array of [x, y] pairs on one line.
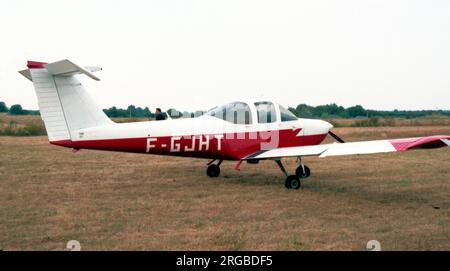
[[302, 174], [213, 171], [292, 182]]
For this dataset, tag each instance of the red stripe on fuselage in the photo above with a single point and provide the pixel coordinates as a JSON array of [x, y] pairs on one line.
[[227, 146]]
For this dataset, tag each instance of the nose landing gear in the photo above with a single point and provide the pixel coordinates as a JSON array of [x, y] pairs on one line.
[[302, 170]]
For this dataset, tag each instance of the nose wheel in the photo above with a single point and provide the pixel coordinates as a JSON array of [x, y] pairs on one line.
[[303, 172], [213, 170]]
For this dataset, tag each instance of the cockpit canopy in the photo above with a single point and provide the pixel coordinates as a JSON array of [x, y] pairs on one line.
[[236, 112], [254, 112]]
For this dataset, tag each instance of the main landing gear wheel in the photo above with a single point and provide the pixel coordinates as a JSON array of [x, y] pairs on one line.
[[303, 172], [292, 182], [213, 170]]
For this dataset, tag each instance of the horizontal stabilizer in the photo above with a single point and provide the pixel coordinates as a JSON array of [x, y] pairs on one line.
[[67, 68], [26, 73], [61, 68]]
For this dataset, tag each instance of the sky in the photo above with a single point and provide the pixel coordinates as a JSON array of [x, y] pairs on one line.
[[192, 55]]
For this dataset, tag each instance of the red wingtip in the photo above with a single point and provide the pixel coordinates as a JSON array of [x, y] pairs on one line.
[[35, 64], [404, 144]]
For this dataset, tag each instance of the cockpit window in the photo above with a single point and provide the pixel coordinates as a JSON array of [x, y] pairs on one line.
[[237, 113], [286, 115], [266, 112]]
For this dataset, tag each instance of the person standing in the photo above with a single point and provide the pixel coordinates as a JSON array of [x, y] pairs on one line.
[[159, 115]]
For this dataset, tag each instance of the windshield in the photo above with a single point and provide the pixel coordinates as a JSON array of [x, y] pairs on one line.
[[286, 115]]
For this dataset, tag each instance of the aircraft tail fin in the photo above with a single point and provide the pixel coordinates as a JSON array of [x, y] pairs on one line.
[[64, 104]]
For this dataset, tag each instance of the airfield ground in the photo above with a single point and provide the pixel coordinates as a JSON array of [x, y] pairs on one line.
[[111, 201]]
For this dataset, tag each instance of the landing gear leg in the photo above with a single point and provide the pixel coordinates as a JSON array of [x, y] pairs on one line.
[[292, 181], [213, 170], [302, 171]]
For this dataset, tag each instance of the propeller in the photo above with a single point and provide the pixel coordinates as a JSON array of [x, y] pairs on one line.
[[340, 140]]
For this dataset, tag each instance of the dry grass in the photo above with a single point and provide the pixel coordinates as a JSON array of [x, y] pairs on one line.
[[20, 119], [431, 120], [23, 125], [110, 201]]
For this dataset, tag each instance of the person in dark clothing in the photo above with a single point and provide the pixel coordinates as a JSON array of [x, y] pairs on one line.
[[159, 115]]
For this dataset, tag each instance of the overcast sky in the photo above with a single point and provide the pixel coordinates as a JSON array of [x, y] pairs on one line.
[[196, 54]]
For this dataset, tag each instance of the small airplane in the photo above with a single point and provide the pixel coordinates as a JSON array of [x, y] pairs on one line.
[[248, 130]]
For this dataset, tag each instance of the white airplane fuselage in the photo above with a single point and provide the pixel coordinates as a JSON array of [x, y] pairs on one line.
[[202, 137]]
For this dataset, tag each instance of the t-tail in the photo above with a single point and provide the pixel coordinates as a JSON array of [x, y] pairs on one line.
[[64, 104]]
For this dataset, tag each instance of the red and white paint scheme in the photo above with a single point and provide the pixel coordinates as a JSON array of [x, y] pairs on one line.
[[246, 130]]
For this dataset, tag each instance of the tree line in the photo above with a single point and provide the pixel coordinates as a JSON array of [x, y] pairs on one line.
[[139, 112], [302, 110], [16, 109], [336, 111]]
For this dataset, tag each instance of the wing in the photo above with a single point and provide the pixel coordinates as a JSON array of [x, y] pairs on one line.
[[361, 147]]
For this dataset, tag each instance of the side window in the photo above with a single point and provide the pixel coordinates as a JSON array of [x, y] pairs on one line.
[[218, 112], [238, 113], [266, 112], [286, 115]]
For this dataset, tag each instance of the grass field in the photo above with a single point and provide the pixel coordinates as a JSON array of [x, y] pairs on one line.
[[110, 201]]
